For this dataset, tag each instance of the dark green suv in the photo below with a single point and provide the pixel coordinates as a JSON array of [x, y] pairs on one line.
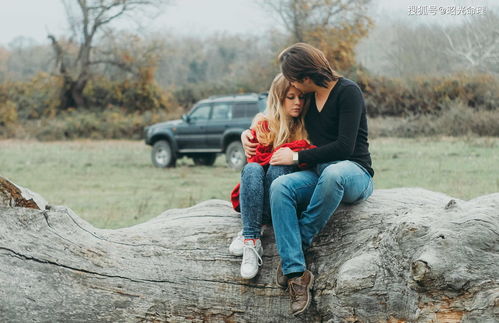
[[212, 126]]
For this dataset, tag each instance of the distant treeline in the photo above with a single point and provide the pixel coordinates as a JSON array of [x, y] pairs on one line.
[[37, 98], [160, 77], [454, 105]]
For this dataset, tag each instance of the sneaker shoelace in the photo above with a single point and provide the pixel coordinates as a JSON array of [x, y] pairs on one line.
[[246, 259]]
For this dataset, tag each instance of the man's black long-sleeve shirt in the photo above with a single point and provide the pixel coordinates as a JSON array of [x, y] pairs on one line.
[[339, 130]]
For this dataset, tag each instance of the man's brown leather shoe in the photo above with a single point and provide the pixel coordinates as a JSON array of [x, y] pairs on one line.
[[281, 279], [299, 289]]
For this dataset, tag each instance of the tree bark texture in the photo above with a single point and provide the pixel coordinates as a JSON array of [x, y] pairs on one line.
[[405, 255]]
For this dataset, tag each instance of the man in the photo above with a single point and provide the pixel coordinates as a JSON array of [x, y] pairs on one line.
[[340, 165]]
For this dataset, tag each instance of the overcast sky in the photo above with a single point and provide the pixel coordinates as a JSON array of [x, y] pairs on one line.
[[36, 18]]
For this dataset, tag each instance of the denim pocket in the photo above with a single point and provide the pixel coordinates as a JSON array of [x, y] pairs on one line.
[[368, 191], [362, 167]]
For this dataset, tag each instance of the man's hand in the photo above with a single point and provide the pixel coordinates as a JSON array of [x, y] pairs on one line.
[[249, 147], [283, 156]]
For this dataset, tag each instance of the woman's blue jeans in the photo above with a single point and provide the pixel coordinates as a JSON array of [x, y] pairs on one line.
[[318, 192], [254, 195]]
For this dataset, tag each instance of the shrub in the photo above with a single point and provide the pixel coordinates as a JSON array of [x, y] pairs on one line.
[[113, 123], [132, 96], [35, 98], [456, 119], [8, 118], [8, 113], [394, 97]]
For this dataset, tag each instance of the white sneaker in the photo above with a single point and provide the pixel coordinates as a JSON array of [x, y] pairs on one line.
[[252, 258], [237, 245]]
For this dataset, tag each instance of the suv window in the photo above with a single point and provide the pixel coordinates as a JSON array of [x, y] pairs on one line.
[[221, 111], [201, 113], [244, 110]]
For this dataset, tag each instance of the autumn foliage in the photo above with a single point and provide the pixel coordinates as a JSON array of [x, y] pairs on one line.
[[338, 43]]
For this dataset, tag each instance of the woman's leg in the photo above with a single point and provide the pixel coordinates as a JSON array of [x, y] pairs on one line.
[[251, 203], [251, 199], [272, 173]]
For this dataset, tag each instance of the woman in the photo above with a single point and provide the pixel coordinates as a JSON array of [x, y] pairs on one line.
[[281, 125]]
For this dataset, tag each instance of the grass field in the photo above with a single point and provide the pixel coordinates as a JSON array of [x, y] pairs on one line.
[[113, 183]]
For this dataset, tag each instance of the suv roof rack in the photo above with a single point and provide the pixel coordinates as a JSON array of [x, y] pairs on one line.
[[231, 95]]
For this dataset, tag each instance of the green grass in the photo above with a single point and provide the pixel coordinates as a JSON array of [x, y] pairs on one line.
[[113, 183], [460, 167]]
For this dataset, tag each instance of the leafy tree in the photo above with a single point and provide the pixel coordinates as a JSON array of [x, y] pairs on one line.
[[335, 26]]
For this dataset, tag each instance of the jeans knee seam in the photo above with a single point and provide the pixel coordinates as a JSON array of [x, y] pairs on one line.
[[302, 187]]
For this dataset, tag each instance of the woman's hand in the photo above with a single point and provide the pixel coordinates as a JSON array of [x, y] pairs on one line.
[[283, 156], [249, 147]]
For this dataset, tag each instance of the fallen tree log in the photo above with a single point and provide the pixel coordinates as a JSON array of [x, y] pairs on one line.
[[405, 255]]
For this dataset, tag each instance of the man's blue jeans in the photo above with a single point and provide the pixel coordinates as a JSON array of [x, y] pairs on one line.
[[318, 192], [254, 195]]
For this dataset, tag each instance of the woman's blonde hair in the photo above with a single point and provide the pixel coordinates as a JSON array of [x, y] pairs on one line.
[[282, 128]]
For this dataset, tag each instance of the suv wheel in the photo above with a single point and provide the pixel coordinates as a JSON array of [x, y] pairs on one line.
[[205, 160], [162, 154], [235, 155]]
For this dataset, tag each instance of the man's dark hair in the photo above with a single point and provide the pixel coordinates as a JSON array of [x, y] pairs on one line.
[[303, 60]]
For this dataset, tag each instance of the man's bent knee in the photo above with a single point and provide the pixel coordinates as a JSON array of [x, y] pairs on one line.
[[332, 175], [279, 185]]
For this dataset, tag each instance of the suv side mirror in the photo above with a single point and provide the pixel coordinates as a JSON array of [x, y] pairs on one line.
[[186, 118]]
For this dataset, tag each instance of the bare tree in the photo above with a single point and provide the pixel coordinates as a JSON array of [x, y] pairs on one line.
[[125, 54], [74, 58], [23, 58], [410, 51], [398, 49], [475, 43], [4, 59]]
